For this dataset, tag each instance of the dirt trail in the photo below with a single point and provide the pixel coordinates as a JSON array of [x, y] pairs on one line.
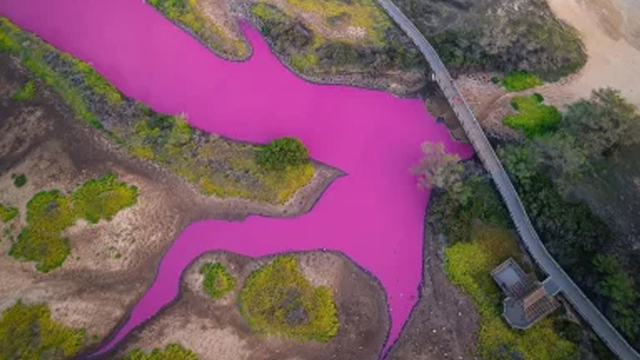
[[609, 30]]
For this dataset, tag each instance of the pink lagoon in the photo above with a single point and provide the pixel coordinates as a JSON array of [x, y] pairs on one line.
[[374, 214]]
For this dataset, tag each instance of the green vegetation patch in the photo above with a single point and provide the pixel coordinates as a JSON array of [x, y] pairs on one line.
[[103, 198], [217, 280], [217, 166], [187, 14], [19, 180], [455, 218], [282, 153], [533, 117], [27, 92], [49, 213], [8, 213], [27, 332], [278, 299], [469, 265], [170, 352], [520, 80]]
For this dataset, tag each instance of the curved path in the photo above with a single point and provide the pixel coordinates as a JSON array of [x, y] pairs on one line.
[[572, 292]]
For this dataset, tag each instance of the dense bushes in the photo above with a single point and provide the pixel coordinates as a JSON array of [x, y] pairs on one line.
[[217, 166], [7, 213], [170, 352], [217, 281], [277, 299], [547, 170], [282, 153], [455, 218], [49, 213], [495, 35], [27, 332], [533, 118]]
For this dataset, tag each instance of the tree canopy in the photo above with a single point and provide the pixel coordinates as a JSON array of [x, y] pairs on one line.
[[282, 153]]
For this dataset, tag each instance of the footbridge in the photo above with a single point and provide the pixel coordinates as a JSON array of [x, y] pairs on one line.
[[600, 325]]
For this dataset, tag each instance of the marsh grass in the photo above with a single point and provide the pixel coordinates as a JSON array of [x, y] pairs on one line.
[[278, 300], [28, 332], [217, 280], [49, 213]]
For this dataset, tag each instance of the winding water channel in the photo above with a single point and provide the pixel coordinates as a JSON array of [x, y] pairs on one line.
[[374, 215]]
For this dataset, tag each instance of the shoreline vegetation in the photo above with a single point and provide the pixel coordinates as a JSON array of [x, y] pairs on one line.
[[354, 43], [212, 164]]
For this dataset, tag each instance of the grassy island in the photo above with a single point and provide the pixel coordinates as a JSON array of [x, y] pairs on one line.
[[278, 300]]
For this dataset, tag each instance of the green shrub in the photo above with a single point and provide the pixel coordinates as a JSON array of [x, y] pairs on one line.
[[520, 80], [282, 153], [217, 280], [170, 352], [19, 180], [27, 332], [455, 219], [533, 117], [103, 198], [7, 213], [27, 92], [277, 299], [49, 213]]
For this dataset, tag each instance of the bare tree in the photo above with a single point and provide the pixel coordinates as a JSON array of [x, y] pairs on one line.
[[439, 170]]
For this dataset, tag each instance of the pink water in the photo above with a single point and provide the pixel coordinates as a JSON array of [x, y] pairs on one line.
[[374, 215]]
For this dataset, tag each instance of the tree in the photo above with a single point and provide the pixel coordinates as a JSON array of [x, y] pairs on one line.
[[603, 123], [282, 153], [440, 170], [618, 288], [563, 157]]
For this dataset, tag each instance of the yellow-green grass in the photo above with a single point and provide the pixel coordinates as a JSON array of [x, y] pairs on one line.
[[217, 280], [521, 80], [469, 265], [27, 332], [278, 300], [188, 14], [533, 118], [27, 92], [217, 167], [364, 14], [170, 352], [49, 213], [7, 213]]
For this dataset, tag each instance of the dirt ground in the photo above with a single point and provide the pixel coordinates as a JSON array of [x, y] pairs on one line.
[[444, 324], [215, 330], [610, 30], [111, 263]]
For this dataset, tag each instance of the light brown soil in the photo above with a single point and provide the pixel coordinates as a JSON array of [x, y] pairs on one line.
[[444, 323], [215, 330], [111, 263]]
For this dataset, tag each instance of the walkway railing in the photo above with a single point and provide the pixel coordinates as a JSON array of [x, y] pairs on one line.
[[609, 335]]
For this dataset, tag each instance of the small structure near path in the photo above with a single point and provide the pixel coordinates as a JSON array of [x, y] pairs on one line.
[[528, 300]]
